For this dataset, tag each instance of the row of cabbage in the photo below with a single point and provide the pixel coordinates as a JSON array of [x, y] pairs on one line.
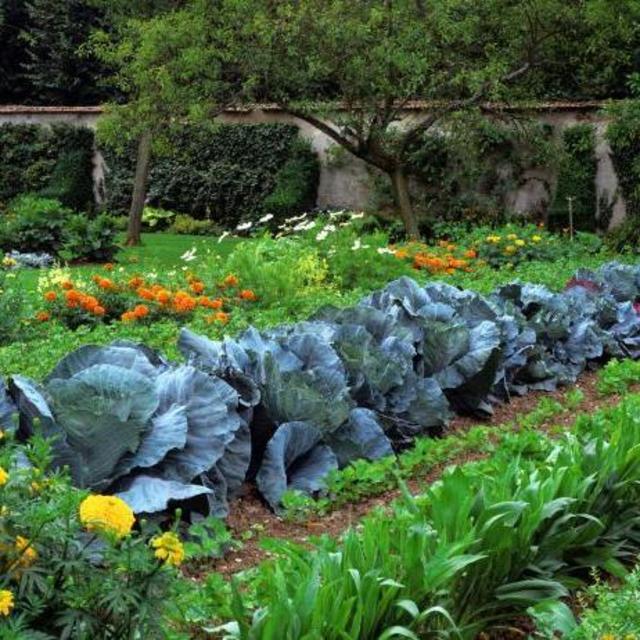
[[285, 406]]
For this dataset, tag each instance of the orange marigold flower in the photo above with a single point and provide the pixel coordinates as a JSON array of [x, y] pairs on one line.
[[141, 311], [163, 296], [99, 311], [50, 296], [43, 316], [128, 316], [401, 254], [67, 285], [96, 278], [73, 296], [248, 294], [105, 283], [471, 254], [231, 281], [136, 282], [146, 294], [196, 286], [221, 317], [109, 266], [89, 303]]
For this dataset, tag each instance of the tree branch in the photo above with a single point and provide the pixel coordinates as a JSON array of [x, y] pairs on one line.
[[457, 105]]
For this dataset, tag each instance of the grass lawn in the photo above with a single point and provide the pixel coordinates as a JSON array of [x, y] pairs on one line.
[[159, 251]]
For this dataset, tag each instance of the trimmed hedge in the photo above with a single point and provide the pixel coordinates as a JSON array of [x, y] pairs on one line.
[[54, 162], [225, 174]]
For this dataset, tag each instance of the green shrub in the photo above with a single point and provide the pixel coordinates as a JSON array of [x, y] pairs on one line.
[[34, 224], [223, 174], [623, 135], [296, 183], [186, 225], [89, 239], [157, 219], [55, 162]]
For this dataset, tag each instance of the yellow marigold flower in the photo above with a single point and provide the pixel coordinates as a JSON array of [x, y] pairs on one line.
[[536, 238], [493, 239], [1, 434], [27, 554], [510, 250], [6, 602], [520, 243], [608, 636], [106, 513], [512, 236], [4, 477], [168, 548]]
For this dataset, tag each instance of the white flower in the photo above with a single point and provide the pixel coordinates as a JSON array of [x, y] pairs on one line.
[[330, 228], [223, 236], [266, 218], [322, 235], [383, 250], [357, 216], [357, 244], [296, 218], [190, 255], [304, 226], [336, 214], [245, 225]]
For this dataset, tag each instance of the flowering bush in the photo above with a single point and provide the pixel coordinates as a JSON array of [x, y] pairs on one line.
[[114, 298], [73, 565]]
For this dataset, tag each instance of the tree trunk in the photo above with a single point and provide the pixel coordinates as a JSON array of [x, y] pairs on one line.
[[143, 165], [400, 188]]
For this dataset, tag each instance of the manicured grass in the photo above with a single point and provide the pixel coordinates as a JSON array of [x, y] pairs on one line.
[[159, 252]]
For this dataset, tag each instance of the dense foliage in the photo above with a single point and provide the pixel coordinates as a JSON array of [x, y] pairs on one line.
[[56, 162], [34, 225], [623, 134], [577, 181], [223, 174]]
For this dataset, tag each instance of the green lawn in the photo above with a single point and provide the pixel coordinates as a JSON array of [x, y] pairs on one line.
[[159, 251]]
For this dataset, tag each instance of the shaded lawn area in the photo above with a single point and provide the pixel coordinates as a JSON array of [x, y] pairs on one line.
[[159, 252]]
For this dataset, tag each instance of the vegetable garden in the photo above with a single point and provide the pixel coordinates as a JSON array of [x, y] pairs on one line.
[[205, 406]]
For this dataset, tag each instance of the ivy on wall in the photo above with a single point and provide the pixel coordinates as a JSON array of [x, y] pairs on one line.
[[576, 180], [230, 173], [56, 162], [466, 172], [623, 134]]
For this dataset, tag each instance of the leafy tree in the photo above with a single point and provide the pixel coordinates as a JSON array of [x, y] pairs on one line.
[[157, 51]]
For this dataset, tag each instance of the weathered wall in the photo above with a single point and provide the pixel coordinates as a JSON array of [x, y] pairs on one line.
[[345, 181]]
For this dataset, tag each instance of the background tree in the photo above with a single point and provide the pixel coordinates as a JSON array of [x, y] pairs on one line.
[[169, 67], [350, 68]]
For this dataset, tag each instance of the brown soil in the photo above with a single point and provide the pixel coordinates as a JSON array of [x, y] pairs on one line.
[[251, 520]]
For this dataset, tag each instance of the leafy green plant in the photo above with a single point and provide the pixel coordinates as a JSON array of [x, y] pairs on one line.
[[613, 611], [618, 375], [87, 239], [157, 219], [71, 564], [34, 224], [184, 224]]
